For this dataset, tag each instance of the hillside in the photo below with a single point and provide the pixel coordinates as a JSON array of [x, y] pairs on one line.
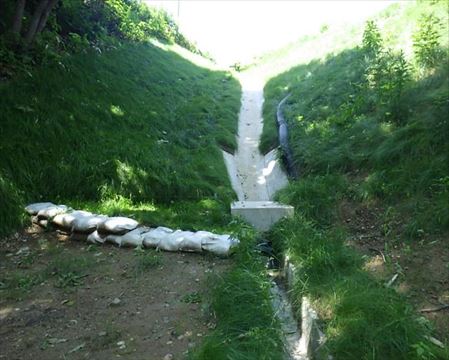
[[139, 122], [368, 129], [113, 111]]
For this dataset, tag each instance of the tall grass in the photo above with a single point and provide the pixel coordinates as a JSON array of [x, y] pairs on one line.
[[246, 327], [362, 318], [367, 124], [377, 114], [140, 121]]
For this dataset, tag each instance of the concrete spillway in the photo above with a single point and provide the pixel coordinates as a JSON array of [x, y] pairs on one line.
[[254, 177]]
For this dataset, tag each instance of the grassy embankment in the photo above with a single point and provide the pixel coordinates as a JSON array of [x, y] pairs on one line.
[[368, 129], [135, 131], [139, 123]]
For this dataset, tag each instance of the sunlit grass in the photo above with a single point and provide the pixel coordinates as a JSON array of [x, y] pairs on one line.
[[246, 327], [349, 152], [145, 126]]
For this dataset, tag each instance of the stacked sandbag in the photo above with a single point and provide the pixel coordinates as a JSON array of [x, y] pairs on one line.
[[88, 223], [152, 238], [82, 225], [122, 231], [65, 221], [166, 239], [133, 238], [33, 209], [43, 212], [217, 244], [117, 225], [96, 238]]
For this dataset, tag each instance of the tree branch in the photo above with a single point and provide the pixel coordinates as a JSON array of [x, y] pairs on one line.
[[35, 21], [18, 16], [44, 17]]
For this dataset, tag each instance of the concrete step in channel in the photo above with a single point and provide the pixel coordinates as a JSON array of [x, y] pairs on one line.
[[261, 214]]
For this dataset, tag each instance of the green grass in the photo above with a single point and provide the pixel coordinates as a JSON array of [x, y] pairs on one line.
[[363, 143], [64, 271], [340, 124], [246, 327], [362, 318], [137, 132], [145, 261], [140, 121]]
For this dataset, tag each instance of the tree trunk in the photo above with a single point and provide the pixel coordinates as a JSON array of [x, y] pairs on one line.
[[32, 30], [44, 18], [18, 15]]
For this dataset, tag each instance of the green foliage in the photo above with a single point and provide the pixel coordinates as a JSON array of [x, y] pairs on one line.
[[372, 39], [77, 26], [386, 78], [11, 211], [192, 298], [356, 113], [426, 42], [315, 196], [246, 326], [362, 318], [15, 286], [365, 126], [145, 126], [146, 260]]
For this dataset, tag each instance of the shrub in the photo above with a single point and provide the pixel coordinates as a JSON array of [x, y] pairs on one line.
[[426, 42]]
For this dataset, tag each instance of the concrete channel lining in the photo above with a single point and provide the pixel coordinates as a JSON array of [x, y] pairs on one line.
[[261, 214], [312, 338]]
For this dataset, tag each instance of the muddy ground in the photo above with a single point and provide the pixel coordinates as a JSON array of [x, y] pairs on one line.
[[421, 265], [61, 299]]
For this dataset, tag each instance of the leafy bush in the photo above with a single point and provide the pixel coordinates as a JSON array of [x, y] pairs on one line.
[[77, 25], [372, 39]]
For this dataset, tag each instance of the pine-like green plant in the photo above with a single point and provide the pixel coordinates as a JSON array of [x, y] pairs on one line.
[[372, 39], [426, 42]]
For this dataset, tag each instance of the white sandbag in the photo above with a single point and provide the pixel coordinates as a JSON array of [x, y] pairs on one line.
[[51, 211], [190, 242], [117, 225], [114, 239], [218, 244], [96, 238], [172, 242], [33, 209], [87, 224], [134, 238], [66, 220], [152, 238]]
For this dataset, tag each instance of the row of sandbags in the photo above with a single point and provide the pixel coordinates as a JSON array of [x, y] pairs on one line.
[[122, 231]]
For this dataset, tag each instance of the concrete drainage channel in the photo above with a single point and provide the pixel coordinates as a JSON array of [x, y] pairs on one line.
[[255, 179]]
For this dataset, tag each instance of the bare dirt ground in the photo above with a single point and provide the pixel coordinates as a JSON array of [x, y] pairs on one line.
[[61, 299], [422, 265]]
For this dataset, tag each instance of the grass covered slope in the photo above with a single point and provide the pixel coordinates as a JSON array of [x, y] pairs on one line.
[[139, 122], [137, 131], [372, 113], [368, 128]]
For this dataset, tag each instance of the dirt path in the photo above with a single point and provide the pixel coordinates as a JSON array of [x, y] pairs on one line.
[[255, 177], [88, 302]]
